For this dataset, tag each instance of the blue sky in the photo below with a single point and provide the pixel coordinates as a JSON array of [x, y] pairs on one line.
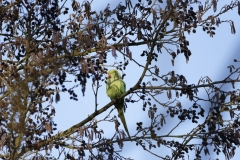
[[210, 57]]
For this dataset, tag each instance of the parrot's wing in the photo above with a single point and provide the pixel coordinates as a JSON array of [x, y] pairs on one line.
[[115, 88]]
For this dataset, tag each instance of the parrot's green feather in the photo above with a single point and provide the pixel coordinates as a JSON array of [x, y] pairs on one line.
[[115, 87]]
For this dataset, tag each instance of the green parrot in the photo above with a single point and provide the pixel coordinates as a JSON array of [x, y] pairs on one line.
[[115, 87]]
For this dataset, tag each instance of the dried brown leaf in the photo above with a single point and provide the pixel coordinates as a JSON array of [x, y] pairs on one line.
[[3, 137], [232, 82], [231, 112], [212, 20], [233, 30], [139, 34], [123, 135], [81, 131], [92, 68], [149, 113], [162, 120], [169, 94], [57, 97], [199, 17], [89, 146], [154, 13], [217, 95], [114, 54], [134, 22], [214, 3], [64, 43], [117, 124], [48, 127], [222, 98], [177, 94], [238, 8], [218, 22], [50, 146], [179, 105], [172, 62]]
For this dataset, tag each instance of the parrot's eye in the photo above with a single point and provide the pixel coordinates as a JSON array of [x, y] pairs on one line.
[[109, 76]]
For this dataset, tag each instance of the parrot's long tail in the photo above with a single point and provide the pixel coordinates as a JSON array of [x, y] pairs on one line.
[[121, 116]]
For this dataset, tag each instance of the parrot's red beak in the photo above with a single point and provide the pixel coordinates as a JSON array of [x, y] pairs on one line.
[[109, 76]]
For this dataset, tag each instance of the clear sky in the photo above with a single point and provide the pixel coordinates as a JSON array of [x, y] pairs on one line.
[[210, 57]]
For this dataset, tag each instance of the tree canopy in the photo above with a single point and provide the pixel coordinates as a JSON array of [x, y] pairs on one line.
[[50, 50]]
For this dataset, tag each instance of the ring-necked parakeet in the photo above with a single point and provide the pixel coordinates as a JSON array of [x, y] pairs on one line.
[[115, 87]]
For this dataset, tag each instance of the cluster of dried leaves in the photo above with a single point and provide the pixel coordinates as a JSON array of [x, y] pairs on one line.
[[39, 51]]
